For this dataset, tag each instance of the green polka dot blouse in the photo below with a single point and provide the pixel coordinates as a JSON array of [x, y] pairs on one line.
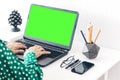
[[11, 68]]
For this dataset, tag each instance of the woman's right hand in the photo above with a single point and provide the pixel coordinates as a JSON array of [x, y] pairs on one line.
[[39, 50]]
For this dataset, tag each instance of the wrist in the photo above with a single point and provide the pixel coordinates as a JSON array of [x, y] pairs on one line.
[[27, 52]]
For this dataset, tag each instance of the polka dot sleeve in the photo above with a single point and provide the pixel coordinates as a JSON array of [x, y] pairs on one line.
[[29, 58], [31, 61], [11, 68]]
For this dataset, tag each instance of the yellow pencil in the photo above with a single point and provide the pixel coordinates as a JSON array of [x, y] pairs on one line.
[[90, 33], [97, 36]]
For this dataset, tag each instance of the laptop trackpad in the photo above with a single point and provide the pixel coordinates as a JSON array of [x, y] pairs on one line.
[[45, 61]]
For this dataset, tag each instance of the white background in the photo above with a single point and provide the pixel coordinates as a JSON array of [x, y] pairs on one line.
[[103, 14]]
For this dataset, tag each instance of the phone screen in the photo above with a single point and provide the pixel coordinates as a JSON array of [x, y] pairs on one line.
[[82, 67]]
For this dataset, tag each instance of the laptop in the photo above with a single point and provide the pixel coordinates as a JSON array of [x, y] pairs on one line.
[[51, 28]]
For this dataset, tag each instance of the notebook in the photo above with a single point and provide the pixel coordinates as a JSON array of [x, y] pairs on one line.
[[51, 28]]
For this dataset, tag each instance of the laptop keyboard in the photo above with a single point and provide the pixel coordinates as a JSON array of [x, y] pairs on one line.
[[54, 51], [52, 55]]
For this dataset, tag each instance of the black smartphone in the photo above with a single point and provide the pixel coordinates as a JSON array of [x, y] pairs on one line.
[[82, 67]]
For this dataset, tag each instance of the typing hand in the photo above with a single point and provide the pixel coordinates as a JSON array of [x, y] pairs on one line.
[[16, 47], [38, 50]]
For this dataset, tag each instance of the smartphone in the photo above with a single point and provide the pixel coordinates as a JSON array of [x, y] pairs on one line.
[[82, 67]]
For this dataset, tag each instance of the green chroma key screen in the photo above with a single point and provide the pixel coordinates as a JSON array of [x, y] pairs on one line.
[[52, 25]]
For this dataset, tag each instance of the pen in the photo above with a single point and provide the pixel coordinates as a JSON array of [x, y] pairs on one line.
[[90, 33], [83, 37], [75, 64], [97, 36], [69, 66]]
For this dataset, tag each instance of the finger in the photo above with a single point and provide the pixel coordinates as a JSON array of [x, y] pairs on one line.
[[45, 52], [19, 51], [42, 49], [18, 43], [37, 46], [21, 46]]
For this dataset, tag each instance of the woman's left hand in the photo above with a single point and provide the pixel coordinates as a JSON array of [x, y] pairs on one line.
[[16, 47]]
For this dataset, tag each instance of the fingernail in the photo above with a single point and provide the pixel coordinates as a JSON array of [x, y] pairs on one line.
[[49, 52]]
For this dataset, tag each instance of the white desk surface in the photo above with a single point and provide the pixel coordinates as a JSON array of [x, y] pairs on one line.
[[105, 60], [7, 35]]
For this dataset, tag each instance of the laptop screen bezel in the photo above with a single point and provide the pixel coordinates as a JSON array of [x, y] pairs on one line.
[[51, 43]]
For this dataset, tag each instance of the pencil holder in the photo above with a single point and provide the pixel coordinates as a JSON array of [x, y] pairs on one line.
[[90, 50]]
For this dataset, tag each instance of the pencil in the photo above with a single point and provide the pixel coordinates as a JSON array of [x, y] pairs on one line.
[[97, 36], [90, 33], [83, 37]]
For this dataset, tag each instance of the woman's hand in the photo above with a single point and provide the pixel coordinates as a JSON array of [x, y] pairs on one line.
[[38, 50], [16, 47]]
